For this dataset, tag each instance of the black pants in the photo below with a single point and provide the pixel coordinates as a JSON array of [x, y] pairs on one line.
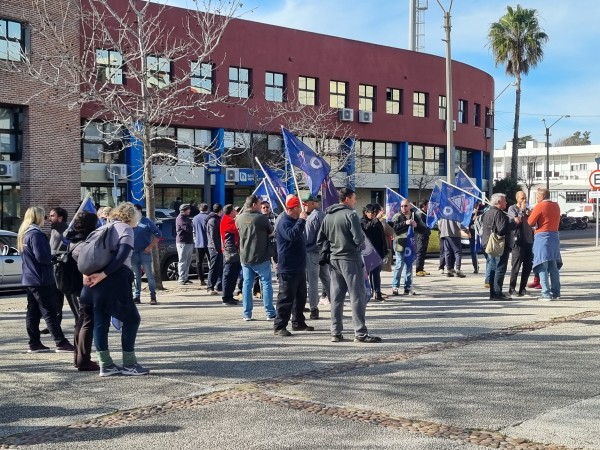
[[452, 252], [522, 255], [422, 244], [200, 254], [231, 274], [84, 332], [215, 270], [291, 299], [41, 302]]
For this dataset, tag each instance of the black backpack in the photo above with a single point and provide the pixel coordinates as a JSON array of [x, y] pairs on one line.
[[68, 278]]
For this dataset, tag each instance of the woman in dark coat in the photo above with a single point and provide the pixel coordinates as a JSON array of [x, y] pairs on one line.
[[374, 231], [38, 279]]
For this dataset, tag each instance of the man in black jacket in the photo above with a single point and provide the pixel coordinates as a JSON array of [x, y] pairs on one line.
[[215, 268], [522, 246], [422, 239]]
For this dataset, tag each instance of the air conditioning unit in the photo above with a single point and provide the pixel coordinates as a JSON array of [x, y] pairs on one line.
[[7, 169], [365, 116], [118, 170], [454, 125], [488, 133], [232, 175], [346, 114]]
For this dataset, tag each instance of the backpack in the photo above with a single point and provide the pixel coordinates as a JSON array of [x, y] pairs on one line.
[[96, 252], [478, 225], [68, 278]]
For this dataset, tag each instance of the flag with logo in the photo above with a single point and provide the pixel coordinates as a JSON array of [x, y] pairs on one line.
[[392, 203], [455, 204], [330, 194], [465, 183], [410, 249], [434, 207], [300, 155], [265, 192]]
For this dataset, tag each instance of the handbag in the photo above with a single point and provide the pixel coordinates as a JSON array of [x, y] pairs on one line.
[[495, 245]]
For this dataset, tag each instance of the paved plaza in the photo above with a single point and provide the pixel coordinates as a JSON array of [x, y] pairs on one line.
[[455, 370]]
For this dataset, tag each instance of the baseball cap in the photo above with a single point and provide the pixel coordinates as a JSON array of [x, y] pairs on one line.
[[292, 202], [309, 198]]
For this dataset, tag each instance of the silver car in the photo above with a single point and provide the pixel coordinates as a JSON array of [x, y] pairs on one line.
[[10, 261]]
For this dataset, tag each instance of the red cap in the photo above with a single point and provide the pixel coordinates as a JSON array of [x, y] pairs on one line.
[[292, 202]]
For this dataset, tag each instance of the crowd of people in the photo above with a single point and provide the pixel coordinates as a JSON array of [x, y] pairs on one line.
[[307, 246]]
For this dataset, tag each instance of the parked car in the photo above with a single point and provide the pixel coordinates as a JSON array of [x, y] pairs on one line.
[[167, 251], [584, 210], [10, 261], [161, 213]]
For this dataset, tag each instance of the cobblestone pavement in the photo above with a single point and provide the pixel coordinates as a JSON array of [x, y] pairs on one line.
[[275, 391]]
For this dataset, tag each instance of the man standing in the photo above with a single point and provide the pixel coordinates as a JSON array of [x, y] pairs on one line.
[[145, 237], [215, 251], [201, 240], [255, 231], [522, 245], [184, 240], [314, 270], [265, 208], [176, 204], [231, 254], [496, 221], [546, 244], [450, 233], [400, 222], [422, 240], [341, 237], [291, 269]]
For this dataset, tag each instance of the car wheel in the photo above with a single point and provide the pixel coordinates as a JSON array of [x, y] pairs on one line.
[[170, 271]]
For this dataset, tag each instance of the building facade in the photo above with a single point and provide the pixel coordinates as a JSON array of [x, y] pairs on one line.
[[392, 101]]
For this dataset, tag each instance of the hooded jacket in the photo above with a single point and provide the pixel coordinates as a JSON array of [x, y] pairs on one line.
[[230, 237], [291, 244], [342, 233]]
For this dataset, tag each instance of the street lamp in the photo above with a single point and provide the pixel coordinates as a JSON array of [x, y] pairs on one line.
[[548, 147]]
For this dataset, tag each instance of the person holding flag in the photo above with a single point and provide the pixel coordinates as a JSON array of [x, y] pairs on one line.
[[401, 222]]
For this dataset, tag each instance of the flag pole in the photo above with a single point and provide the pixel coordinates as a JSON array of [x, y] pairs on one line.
[[297, 188], [466, 192], [401, 196], [258, 187], [270, 182]]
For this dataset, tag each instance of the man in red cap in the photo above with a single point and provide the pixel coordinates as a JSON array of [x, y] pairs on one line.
[[291, 269]]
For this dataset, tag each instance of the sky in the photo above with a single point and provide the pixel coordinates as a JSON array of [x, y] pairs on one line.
[[566, 82]]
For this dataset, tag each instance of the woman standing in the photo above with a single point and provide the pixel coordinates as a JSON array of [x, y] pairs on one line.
[[374, 231], [109, 292], [38, 279], [83, 224]]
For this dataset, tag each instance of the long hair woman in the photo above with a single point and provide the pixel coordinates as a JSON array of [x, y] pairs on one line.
[[109, 292], [38, 279], [83, 225]]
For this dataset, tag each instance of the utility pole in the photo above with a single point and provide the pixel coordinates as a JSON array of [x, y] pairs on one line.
[[449, 99], [548, 148]]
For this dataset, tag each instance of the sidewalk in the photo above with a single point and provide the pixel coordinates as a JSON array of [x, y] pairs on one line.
[[455, 370]]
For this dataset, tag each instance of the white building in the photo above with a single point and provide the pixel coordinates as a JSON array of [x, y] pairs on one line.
[[570, 169]]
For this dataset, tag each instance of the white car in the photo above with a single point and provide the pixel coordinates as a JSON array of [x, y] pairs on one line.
[[10, 261], [584, 211], [162, 213]]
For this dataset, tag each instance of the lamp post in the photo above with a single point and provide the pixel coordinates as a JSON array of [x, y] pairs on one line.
[[548, 147]]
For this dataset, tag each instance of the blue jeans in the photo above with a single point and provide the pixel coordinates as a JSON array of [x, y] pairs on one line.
[[401, 269], [263, 270], [139, 260], [549, 279], [128, 331]]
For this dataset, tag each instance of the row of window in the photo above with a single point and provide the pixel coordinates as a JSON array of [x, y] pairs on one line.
[[12, 40], [11, 133]]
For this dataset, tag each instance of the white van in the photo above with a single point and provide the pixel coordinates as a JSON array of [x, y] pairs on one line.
[[582, 210]]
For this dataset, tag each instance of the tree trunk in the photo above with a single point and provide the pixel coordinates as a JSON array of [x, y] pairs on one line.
[[514, 162]]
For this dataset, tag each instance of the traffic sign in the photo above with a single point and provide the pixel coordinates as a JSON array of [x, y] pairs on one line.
[[595, 179]]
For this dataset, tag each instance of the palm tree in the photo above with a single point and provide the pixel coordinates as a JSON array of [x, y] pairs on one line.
[[516, 40]]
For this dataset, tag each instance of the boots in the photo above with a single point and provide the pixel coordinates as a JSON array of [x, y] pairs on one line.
[[535, 284]]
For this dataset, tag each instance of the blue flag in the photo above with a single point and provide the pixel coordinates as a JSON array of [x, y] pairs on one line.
[[465, 183], [410, 249], [330, 194], [304, 158], [392, 203], [434, 207], [455, 204], [278, 185], [265, 192]]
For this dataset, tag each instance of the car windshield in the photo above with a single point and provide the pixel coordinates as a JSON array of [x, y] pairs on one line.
[[579, 209]]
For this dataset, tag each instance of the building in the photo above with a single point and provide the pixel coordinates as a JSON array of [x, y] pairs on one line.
[[392, 100], [569, 169]]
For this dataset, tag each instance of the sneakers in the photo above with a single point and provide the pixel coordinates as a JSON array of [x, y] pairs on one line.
[[367, 338], [185, 282], [45, 331], [247, 318], [486, 285], [302, 328], [65, 347], [270, 318], [283, 332], [524, 293], [409, 292], [232, 302], [425, 272], [109, 371], [501, 296], [137, 300], [37, 348], [314, 314], [420, 273], [153, 301], [459, 274], [134, 370], [450, 273], [337, 338], [442, 271], [545, 299], [394, 291], [512, 291]]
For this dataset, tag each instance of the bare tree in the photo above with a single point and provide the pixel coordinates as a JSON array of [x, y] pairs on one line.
[[134, 73], [528, 172], [421, 182]]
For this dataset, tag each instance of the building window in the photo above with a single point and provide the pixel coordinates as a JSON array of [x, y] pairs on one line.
[[477, 115], [576, 196], [393, 102], [12, 40], [202, 77], [11, 133], [159, 71], [274, 86], [463, 111], [102, 143], [239, 82], [307, 91], [366, 97], [420, 100], [426, 160], [464, 160], [110, 66], [443, 107], [376, 157], [337, 94]]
